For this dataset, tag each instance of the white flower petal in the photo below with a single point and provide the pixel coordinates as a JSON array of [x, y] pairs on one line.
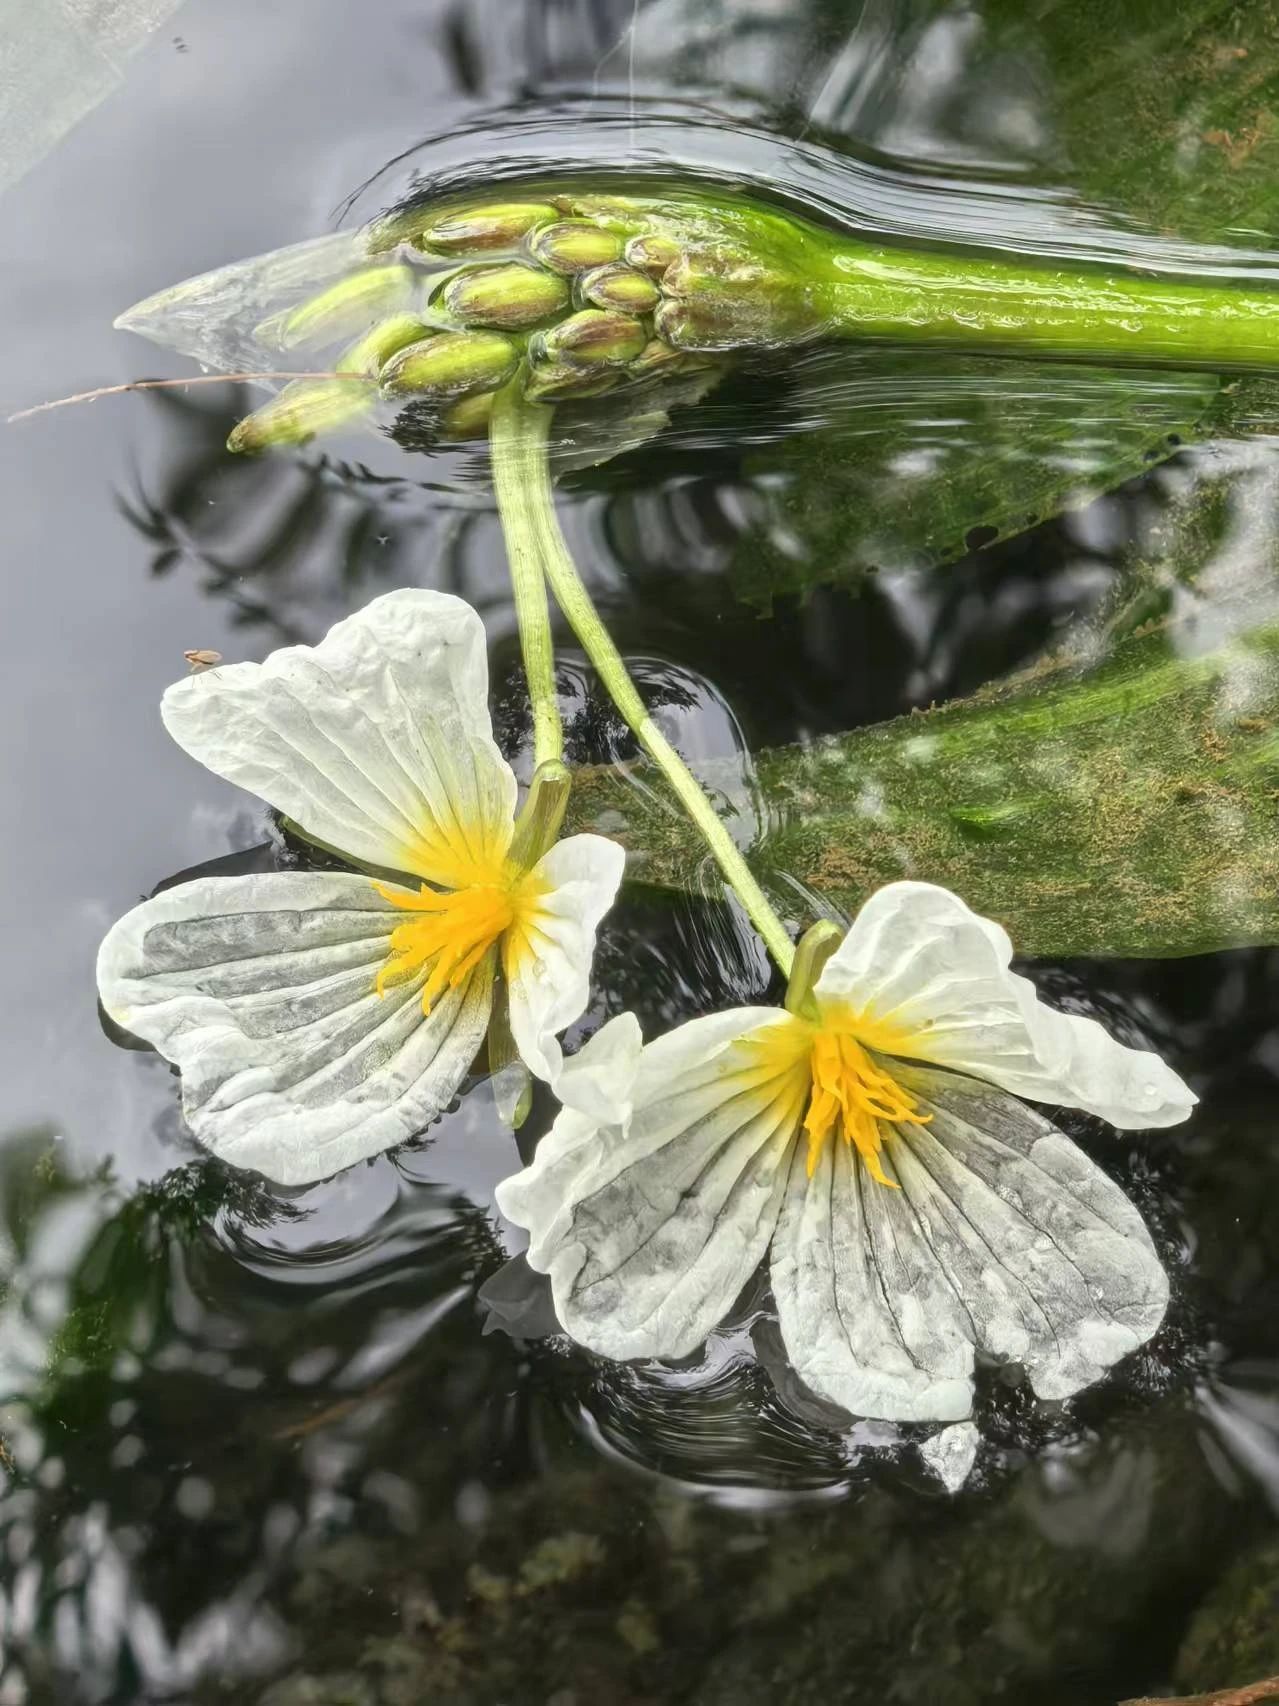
[[1052, 1262], [377, 742], [920, 963], [260, 990], [599, 1080], [650, 1232], [1003, 1238], [867, 1315], [543, 1196], [951, 1454], [546, 955]]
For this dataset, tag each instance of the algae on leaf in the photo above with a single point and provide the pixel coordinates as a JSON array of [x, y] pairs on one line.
[[920, 457], [1122, 807]]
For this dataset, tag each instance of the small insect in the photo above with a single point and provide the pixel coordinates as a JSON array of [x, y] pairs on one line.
[[202, 660]]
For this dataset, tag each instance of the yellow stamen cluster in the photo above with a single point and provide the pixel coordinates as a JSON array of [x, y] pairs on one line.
[[850, 1091], [452, 935]]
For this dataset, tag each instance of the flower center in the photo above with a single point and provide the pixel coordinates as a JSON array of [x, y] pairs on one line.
[[852, 1093], [451, 934]]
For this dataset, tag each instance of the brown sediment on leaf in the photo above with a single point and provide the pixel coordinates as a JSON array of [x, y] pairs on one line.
[[1239, 145]]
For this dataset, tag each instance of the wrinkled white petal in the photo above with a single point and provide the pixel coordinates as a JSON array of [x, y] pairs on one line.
[[866, 1312], [650, 1232], [918, 960], [377, 742], [1003, 1238], [951, 1454], [599, 1080], [260, 989], [546, 955], [542, 1197]]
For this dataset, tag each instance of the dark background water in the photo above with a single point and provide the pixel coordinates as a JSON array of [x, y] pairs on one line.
[[259, 1445]]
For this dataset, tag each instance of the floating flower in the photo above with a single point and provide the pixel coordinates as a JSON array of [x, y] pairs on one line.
[[870, 1137], [320, 1017]]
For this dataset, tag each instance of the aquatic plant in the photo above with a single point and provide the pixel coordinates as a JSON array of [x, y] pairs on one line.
[[870, 1133]]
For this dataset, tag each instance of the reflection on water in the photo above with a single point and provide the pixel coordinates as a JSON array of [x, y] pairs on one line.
[[324, 1447]]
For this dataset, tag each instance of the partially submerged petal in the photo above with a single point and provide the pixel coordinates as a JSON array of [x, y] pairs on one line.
[[649, 1232], [596, 1087], [927, 978], [599, 1080], [376, 742], [1052, 1262], [547, 952], [1003, 1239], [868, 1316], [261, 990]]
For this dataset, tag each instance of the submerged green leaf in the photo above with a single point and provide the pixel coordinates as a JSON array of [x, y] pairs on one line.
[[1125, 807], [923, 457], [1131, 812], [1165, 118]]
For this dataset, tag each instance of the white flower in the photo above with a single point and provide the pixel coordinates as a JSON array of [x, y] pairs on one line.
[[319, 1018], [917, 1213]]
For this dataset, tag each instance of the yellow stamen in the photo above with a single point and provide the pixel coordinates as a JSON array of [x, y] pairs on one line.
[[452, 937], [851, 1091]]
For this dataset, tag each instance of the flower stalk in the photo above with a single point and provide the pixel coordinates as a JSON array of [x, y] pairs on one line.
[[528, 585], [519, 435]]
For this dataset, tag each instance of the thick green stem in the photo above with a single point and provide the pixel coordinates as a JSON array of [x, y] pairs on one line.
[[532, 611], [527, 507], [1044, 310]]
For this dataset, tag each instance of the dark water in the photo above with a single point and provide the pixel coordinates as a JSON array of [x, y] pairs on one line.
[[274, 1446]]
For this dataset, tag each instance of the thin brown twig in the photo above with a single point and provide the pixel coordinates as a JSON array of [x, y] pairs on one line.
[[162, 384]]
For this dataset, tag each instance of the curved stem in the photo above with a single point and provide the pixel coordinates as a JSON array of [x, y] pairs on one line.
[[527, 507], [532, 612]]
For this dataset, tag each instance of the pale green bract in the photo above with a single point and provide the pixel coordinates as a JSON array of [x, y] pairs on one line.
[[991, 1233]]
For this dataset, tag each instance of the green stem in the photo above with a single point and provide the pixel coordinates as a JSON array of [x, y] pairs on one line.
[[986, 304], [532, 611], [527, 506]]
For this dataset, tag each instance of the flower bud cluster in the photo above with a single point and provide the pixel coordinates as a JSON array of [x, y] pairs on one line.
[[573, 297]]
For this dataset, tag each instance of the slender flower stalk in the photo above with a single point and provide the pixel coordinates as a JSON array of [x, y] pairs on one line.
[[528, 585], [522, 479]]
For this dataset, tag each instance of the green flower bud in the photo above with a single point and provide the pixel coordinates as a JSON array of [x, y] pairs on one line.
[[658, 358], [593, 338], [451, 365], [572, 246], [509, 297], [619, 286], [553, 381], [652, 255], [303, 409], [473, 230], [341, 311], [376, 347], [722, 297], [467, 418]]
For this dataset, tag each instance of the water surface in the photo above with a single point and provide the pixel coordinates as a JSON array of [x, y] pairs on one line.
[[302, 1447]]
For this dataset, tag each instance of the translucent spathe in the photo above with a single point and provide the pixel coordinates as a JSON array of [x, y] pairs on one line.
[[319, 1018], [992, 1232]]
